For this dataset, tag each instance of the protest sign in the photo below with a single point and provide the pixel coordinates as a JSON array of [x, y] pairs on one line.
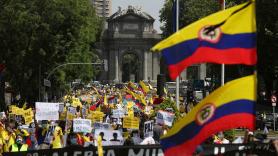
[[71, 113], [13, 109], [28, 119], [47, 111], [71, 110], [109, 137], [98, 125], [61, 107], [131, 122], [84, 111], [96, 116], [82, 125], [28, 112], [154, 150], [118, 113], [165, 118], [148, 128]]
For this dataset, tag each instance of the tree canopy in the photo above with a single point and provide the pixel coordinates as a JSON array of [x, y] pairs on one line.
[[36, 36]]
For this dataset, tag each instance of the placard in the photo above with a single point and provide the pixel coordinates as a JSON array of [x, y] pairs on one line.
[[98, 125], [82, 125], [118, 113], [71, 113], [131, 122], [148, 128], [109, 137], [165, 118], [28, 120], [61, 107], [96, 116], [47, 111]]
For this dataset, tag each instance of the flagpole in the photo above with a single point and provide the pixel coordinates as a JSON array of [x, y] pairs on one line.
[[223, 65], [178, 78]]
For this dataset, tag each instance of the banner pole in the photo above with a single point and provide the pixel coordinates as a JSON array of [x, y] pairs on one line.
[[178, 78], [223, 6], [66, 128]]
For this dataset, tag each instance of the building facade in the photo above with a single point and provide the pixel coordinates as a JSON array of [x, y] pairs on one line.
[[103, 7], [126, 45]]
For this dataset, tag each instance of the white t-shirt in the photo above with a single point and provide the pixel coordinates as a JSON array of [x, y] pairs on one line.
[[148, 141]]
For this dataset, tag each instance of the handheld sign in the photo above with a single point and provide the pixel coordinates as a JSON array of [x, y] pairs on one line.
[[165, 118], [148, 129], [82, 125], [47, 111], [131, 122]]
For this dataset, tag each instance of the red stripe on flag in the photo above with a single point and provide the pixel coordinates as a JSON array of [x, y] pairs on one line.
[[222, 124], [211, 55]]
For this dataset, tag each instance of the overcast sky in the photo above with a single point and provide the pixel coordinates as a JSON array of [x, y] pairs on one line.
[[152, 7]]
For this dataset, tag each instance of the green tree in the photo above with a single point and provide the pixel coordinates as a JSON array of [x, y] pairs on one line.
[[45, 34]]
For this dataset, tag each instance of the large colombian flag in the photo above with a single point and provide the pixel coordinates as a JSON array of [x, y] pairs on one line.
[[230, 106], [227, 37]]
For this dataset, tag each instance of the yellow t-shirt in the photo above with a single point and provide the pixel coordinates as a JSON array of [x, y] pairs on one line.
[[2, 145], [57, 137]]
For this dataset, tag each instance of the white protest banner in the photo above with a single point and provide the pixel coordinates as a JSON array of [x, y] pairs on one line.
[[47, 111], [82, 125], [165, 118], [118, 113], [109, 137], [148, 128]]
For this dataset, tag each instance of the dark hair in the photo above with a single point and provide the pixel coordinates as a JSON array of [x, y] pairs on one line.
[[78, 109]]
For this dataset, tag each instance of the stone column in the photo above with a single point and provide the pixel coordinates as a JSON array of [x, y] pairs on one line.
[[203, 70], [117, 66], [145, 70], [156, 65]]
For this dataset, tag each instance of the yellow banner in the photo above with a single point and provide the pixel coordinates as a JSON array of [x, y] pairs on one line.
[[96, 116], [27, 113], [28, 120], [131, 122]]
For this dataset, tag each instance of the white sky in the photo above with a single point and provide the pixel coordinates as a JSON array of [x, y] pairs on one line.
[[152, 7]]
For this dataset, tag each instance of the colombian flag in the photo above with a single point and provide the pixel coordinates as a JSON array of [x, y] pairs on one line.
[[227, 37], [230, 106]]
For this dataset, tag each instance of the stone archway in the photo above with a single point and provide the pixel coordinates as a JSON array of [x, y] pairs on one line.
[[130, 67]]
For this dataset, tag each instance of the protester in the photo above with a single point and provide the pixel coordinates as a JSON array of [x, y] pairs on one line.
[[19, 145], [105, 110]]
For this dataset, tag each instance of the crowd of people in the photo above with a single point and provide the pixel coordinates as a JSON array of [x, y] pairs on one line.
[[126, 115]]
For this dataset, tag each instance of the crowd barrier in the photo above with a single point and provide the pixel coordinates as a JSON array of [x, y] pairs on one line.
[[154, 150]]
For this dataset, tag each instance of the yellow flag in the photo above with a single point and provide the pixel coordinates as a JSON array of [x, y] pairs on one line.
[[24, 105], [144, 87], [105, 102], [99, 147]]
